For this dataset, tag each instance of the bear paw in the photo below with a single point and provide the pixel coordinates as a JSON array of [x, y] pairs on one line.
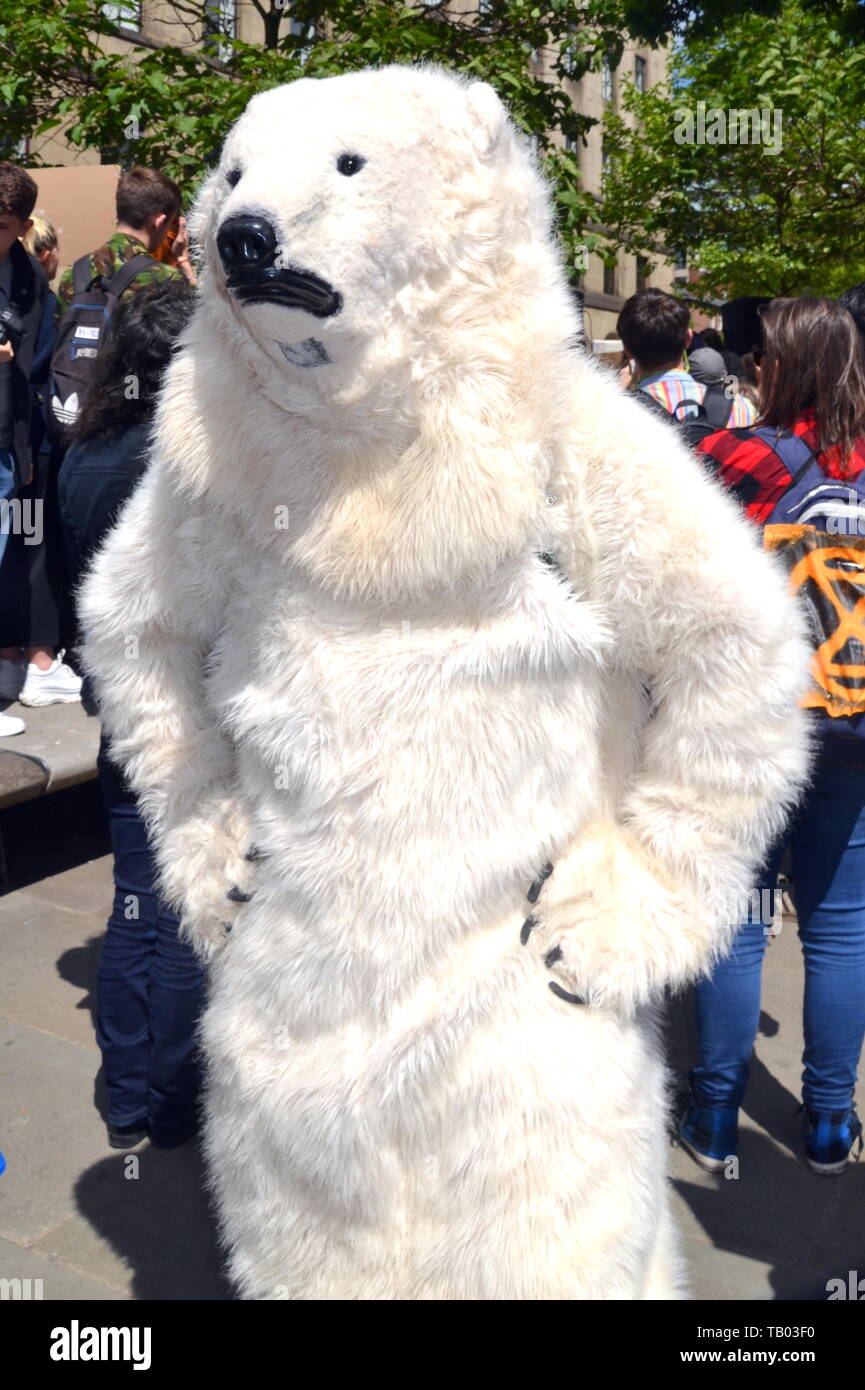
[[611, 925], [208, 872]]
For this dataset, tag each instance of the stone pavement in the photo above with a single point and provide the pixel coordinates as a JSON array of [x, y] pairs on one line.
[[90, 1225]]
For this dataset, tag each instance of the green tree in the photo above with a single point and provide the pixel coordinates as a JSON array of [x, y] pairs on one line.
[[780, 214], [171, 104]]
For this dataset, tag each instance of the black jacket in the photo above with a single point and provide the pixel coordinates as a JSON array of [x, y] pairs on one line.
[[95, 480], [27, 297]]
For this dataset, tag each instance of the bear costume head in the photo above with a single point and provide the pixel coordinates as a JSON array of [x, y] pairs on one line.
[[384, 341]]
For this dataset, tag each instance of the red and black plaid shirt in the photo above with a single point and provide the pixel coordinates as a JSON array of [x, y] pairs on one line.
[[750, 467]]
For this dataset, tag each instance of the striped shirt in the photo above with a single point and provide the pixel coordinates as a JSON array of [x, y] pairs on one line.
[[670, 388]]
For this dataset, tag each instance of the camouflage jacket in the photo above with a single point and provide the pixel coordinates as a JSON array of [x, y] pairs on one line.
[[109, 258]]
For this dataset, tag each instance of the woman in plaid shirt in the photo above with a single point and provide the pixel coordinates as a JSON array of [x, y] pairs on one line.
[[802, 469]]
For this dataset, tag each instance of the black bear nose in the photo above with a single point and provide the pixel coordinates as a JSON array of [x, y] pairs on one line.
[[246, 243]]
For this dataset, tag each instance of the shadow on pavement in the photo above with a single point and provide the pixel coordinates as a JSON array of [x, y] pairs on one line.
[[155, 1215], [807, 1228]]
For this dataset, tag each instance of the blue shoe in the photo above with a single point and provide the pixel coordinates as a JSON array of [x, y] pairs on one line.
[[711, 1136], [831, 1136]]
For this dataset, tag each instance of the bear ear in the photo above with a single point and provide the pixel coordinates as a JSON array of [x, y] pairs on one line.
[[489, 114]]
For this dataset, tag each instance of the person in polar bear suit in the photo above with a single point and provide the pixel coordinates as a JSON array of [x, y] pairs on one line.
[[363, 714]]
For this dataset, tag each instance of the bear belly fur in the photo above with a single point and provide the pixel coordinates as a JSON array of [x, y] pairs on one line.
[[398, 1106]]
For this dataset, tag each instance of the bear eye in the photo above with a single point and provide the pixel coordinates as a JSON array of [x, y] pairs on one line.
[[349, 164], [232, 178]]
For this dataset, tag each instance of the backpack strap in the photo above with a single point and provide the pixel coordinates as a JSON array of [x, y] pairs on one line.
[[698, 406], [82, 277], [793, 443], [717, 407], [122, 278]]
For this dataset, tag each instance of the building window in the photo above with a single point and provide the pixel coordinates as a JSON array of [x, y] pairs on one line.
[[640, 74], [643, 269], [299, 30], [606, 163], [126, 13], [609, 278], [607, 81], [14, 148], [571, 144], [220, 23], [570, 57]]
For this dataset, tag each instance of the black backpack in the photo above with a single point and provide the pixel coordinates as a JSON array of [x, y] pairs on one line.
[[80, 335], [713, 414]]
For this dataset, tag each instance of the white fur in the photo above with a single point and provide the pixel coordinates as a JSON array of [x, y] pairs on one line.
[[411, 713]]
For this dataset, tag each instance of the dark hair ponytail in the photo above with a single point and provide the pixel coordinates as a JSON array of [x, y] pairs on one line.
[[128, 371]]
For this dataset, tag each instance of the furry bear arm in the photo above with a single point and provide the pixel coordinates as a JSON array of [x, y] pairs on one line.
[[150, 608], [703, 615]]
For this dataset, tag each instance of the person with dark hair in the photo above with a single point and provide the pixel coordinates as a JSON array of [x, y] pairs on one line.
[[853, 300], [34, 587], [801, 473], [654, 329], [148, 206], [151, 986], [23, 292], [732, 361]]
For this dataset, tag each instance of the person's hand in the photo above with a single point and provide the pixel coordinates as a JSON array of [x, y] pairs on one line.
[[180, 245], [7, 352], [180, 252]]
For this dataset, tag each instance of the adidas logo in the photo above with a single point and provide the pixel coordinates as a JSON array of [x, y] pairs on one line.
[[65, 411]]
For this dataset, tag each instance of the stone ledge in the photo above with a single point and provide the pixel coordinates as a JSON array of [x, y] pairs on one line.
[[57, 750]]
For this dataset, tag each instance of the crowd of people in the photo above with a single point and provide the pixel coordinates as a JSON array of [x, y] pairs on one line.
[[78, 471], [793, 455], [781, 427]]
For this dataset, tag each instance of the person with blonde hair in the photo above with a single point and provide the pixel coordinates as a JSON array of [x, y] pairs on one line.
[[42, 242], [34, 587]]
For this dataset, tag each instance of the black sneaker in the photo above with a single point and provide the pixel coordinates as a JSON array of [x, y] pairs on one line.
[[172, 1139], [127, 1136]]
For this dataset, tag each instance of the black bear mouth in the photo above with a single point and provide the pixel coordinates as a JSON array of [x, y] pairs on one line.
[[293, 289]]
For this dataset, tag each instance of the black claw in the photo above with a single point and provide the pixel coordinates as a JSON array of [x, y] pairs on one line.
[[254, 854], [535, 890], [552, 956], [236, 895], [527, 928], [563, 994]]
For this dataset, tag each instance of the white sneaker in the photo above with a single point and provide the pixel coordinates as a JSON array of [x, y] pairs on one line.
[[59, 685], [11, 678], [9, 725]]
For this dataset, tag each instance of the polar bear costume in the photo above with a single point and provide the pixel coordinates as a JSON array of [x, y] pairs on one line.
[[323, 628]]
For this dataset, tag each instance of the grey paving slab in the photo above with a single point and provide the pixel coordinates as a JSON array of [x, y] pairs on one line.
[[86, 889], [144, 1218], [50, 956], [724, 1276], [57, 1282], [50, 1129]]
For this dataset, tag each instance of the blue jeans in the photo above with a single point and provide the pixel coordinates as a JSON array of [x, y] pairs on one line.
[[827, 843], [8, 489], [150, 986]]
